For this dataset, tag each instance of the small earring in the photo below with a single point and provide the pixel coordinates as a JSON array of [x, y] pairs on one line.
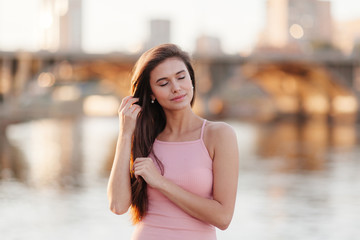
[[152, 101]]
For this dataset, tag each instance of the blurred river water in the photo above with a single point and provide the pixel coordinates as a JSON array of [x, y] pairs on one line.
[[297, 181]]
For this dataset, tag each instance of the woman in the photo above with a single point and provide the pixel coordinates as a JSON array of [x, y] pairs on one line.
[[177, 171]]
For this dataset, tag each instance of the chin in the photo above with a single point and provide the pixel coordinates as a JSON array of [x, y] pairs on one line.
[[177, 106]]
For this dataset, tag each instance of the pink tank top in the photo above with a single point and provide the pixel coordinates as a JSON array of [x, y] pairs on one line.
[[189, 165]]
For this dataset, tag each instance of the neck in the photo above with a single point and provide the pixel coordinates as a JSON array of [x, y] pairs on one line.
[[180, 121]]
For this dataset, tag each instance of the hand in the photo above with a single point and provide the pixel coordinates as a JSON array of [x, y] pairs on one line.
[[128, 112], [146, 168]]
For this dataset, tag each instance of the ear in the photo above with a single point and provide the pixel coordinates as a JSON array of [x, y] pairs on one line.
[[152, 97]]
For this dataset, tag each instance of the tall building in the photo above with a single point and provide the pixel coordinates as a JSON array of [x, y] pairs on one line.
[[159, 32], [299, 22], [71, 27], [347, 35], [61, 25], [208, 46]]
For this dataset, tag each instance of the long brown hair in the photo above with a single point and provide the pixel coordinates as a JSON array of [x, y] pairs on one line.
[[151, 120]]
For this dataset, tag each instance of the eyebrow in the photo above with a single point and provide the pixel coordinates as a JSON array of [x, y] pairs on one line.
[[164, 78]]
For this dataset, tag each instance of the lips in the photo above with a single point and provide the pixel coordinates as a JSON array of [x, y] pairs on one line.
[[178, 98]]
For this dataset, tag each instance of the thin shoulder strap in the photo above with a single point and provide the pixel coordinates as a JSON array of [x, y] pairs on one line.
[[202, 129]]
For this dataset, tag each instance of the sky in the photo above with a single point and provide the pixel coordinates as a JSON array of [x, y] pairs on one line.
[[118, 25]]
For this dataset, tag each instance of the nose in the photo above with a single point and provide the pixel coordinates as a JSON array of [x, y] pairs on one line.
[[175, 86]]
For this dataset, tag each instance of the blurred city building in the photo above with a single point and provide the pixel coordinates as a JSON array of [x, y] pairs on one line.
[[159, 32], [296, 25], [64, 81], [61, 28], [347, 35], [208, 46]]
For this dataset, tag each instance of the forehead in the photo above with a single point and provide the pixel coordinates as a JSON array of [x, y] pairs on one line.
[[168, 68]]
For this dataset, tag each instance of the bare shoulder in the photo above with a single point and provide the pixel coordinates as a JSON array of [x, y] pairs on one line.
[[219, 130], [218, 135]]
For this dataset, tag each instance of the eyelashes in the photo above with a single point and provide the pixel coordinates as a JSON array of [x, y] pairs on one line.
[[166, 83]]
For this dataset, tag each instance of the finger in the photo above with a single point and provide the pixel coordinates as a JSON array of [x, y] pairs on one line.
[[138, 171], [124, 101], [137, 162], [143, 164], [137, 111], [130, 105], [140, 159], [128, 102], [130, 111], [131, 101]]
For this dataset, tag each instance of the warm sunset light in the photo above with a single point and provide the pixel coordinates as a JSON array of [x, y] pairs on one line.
[[100, 105], [46, 79], [316, 104], [273, 133], [287, 104], [296, 31], [65, 70], [66, 93], [345, 104]]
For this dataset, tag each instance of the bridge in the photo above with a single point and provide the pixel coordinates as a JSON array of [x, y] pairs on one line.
[[284, 85], [257, 87]]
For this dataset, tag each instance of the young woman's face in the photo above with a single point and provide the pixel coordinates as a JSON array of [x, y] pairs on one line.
[[171, 84]]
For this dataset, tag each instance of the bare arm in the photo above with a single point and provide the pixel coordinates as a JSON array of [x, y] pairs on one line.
[[219, 210], [119, 188]]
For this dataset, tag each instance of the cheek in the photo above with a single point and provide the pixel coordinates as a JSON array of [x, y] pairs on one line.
[[159, 93], [188, 84]]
